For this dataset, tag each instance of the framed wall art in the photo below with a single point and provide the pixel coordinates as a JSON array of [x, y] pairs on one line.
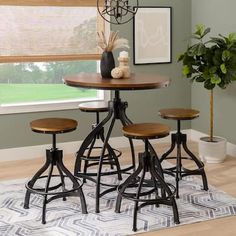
[[152, 35]]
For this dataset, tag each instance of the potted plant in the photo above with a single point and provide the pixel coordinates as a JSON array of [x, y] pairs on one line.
[[211, 62]]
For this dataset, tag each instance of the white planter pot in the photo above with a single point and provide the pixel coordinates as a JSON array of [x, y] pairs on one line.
[[212, 152]]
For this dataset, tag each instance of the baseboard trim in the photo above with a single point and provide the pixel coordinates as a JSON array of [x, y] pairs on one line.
[[31, 152]]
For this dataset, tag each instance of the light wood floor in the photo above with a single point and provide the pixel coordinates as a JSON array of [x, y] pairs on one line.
[[222, 176]]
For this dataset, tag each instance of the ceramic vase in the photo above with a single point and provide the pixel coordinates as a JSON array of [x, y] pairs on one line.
[[107, 64]]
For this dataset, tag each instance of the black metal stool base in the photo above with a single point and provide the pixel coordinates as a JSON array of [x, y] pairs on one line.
[[177, 140], [54, 158], [154, 183]]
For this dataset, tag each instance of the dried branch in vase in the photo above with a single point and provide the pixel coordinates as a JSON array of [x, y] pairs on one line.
[[113, 42]]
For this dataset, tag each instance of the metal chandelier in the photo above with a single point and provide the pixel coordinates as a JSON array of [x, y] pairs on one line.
[[117, 11]]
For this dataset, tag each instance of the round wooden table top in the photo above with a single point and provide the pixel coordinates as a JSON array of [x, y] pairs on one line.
[[134, 82], [53, 125], [179, 113]]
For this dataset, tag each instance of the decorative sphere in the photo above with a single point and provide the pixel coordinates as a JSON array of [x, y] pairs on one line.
[[117, 73]]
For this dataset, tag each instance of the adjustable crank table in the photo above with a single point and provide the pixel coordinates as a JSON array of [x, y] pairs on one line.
[[117, 111]]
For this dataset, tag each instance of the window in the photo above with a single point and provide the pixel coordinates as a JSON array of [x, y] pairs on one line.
[[41, 42]]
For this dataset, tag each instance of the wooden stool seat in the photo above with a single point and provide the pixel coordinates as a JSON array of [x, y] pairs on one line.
[[94, 107], [179, 113], [146, 130], [53, 125]]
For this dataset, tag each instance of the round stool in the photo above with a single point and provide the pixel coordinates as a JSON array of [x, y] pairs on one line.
[[177, 140], [54, 157], [110, 158], [142, 184]]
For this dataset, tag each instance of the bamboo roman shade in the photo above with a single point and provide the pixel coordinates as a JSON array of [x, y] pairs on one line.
[[48, 30], [86, 3]]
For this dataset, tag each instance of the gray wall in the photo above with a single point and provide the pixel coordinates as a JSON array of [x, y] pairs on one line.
[[220, 16], [143, 105]]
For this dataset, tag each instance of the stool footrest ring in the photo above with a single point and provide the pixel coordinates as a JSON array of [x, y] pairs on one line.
[[130, 196], [96, 158], [88, 174], [41, 191]]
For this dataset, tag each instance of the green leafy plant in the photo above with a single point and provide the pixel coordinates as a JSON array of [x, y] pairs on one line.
[[211, 62]]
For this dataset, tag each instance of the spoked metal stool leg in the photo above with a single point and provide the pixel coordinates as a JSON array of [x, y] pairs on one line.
[[179, 141], [54, 158], [146, 180]]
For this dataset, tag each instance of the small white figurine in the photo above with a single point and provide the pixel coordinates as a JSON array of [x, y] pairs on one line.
[[124, 63]]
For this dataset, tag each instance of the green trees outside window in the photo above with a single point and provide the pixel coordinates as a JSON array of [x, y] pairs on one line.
[[31, 82]]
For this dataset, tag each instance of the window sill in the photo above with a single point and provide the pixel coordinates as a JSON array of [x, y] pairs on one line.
[[50, 105]]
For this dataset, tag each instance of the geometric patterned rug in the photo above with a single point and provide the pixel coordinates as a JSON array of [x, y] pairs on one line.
[[64, 218]]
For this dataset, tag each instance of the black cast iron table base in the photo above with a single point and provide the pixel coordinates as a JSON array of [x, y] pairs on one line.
[[90, 160], [116, 111]]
